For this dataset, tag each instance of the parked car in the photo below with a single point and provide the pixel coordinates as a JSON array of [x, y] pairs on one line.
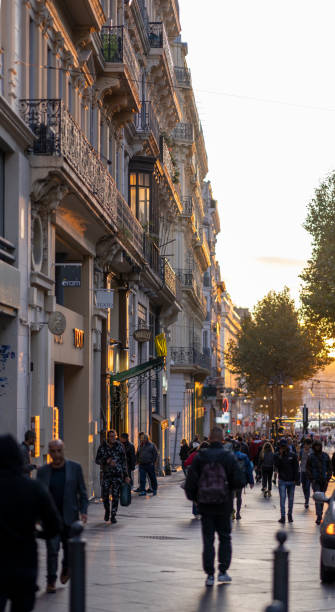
[[327, 538]]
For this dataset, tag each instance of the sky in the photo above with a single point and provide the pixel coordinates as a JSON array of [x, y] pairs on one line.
[[263, 72]]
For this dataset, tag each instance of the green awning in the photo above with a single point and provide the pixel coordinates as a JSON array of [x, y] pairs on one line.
[[142, 368]]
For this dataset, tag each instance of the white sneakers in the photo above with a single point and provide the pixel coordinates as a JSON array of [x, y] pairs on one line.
[[224, 578]]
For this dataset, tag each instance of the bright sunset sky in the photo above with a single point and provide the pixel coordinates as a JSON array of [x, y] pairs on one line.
[[264, 78]]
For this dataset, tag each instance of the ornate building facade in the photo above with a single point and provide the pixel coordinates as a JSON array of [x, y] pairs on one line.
[[107, 229]]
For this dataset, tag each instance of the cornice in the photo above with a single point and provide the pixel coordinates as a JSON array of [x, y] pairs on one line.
[[13, 123]]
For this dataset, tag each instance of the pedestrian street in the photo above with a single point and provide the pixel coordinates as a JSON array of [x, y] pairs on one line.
[[151, 559]]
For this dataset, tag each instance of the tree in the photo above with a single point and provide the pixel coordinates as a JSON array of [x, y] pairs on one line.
[[318, 291], [273, 346]]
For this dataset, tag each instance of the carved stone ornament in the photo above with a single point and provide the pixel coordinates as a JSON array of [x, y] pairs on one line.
[[48, 193], [57, 323], [106, 250]]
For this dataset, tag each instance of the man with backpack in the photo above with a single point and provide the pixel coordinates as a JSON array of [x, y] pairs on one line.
[[210, 482], [246, 466]]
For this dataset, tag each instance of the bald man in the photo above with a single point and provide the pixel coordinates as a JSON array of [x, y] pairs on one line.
[[65, 481]]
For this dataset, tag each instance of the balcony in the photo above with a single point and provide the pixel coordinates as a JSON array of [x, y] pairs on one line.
[[171, 173], [151, 254], [169, 276], [120, 63], [183, 76], [183, 133], [57, 134], [87, 13], [146, 125], [141, 19], [163, 75], [189, 357], [192, 285], [202, 250]]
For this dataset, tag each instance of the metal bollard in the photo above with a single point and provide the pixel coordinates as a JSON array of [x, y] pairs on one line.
[[280, 572], [77, 569], [276, 606]]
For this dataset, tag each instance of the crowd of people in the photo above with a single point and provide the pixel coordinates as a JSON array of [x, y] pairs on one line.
[[219, 468]]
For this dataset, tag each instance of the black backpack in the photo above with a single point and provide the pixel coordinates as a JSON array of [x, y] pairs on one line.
[[213, 485]]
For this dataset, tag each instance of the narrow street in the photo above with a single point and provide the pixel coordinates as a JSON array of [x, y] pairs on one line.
[[151, 560]]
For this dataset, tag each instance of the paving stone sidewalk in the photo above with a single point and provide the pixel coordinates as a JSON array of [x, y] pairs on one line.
[[151, 560]]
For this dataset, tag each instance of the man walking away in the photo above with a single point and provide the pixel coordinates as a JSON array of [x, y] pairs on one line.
[[210, 482], [266, 461], [305, 452], [319, 471], [246, 467], [129, 449], [287, 465], [65, 481], [29, 440], [23, 503], [111, 457], [146, 458]]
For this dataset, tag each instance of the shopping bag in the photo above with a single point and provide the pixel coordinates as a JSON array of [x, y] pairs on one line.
[[125, 494]]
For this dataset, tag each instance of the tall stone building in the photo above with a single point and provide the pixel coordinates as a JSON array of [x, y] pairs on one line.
[[105, 231]]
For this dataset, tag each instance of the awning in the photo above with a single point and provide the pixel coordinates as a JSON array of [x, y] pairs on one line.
[[142, 368]]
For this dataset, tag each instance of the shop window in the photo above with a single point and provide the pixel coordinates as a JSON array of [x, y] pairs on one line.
[[139, 192]]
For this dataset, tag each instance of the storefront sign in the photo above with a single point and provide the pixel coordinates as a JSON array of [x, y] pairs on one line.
[[70, 274], [224, 418], [143, 334], [104, 298], [164, 424], [78, 338]]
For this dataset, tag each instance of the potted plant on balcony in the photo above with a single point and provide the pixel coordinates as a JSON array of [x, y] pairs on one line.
[[111, 47]]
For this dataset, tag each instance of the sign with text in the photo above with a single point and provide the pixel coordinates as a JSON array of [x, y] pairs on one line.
[[104, 298], [78, 338], [69, 274]]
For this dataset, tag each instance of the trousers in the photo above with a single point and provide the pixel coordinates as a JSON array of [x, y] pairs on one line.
[[238, 494], [319, 485], [220, 524], [111, 485], [53, 546], [148, 469], [306, 486], [267, 478], [286, 488]]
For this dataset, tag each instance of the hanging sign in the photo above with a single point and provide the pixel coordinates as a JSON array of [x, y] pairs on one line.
[[104, 298]]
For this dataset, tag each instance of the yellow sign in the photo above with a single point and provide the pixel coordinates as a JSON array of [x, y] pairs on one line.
[[35, 426], [160, 344], [55, 423], [78, 338], [164, 424]]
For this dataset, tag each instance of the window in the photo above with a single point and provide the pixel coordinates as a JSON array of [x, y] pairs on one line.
[[139, 191], [2, 193], [50, 73]]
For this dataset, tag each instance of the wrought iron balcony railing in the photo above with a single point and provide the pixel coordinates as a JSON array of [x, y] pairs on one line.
[[183, 76], [166, 158], [117, 48], [146, 121], [189, 356], [151, 254], [169, 276], [184, 132], [193, 282], [188, 206], [158, 40], [57, 133]]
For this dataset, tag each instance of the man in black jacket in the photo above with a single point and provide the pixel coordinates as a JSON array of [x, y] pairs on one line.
[[319, 471], [287, 466], [65, 481], [23, 503], [112, 458], [215, 463]]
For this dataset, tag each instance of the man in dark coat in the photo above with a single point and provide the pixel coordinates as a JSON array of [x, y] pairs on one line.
[[111, 457], [29, 440], [65, 481], [23, 503], [129, 449], [287, 466], [146, 457], [215, 517], [319, 472]]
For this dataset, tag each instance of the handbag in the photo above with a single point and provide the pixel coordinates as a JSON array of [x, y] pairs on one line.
[[125, 494]]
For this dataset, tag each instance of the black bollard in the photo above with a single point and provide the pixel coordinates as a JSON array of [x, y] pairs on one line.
[[276, 606], [77, 569], [280, 571]]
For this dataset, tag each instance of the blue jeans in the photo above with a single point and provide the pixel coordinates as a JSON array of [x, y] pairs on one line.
[[286, 487], [306, 486], [148, 469]]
